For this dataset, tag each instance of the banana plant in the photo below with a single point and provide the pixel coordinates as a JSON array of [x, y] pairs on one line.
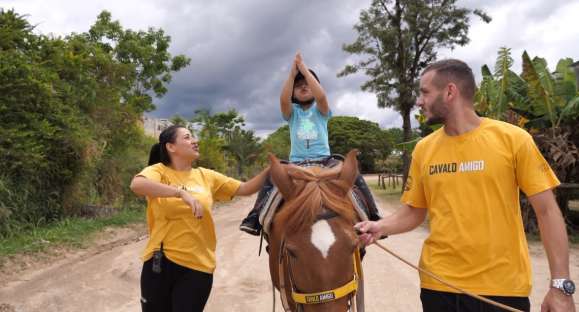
[[500, 91], [553, 97]]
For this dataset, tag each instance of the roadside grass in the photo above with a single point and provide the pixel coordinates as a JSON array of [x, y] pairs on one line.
[[69, 232], [388, 193]]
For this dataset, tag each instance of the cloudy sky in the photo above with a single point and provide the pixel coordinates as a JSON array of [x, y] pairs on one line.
[[241, 50]]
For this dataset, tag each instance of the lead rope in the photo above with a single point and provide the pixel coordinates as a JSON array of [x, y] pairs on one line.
[[489, 301]]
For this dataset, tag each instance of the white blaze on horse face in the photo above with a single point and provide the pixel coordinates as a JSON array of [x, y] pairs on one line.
[[323, 237]]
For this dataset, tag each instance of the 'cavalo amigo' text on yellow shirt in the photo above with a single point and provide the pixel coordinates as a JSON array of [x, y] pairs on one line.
[[470, 185], [187, 241]]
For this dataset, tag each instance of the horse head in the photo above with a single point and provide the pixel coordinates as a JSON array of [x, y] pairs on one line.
[[313, 246]]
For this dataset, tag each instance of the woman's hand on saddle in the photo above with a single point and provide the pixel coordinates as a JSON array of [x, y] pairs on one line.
[[368, 231], [196, 207]]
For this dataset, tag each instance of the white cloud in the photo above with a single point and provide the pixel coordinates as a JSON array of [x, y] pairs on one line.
[[363, 105], [521, 26], [65, 16]]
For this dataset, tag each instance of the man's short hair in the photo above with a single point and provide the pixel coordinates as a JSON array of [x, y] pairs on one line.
[[455, 71]]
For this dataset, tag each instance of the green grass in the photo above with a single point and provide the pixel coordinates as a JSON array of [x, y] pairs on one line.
[[389, 193], [72, 232]]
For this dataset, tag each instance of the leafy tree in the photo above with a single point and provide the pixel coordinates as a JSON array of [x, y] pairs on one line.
[[278, 143], [145, 53], [223, 142], [70, 115], [346, 133], [220, 123], [400, 38], [244, 147], [545, 103]]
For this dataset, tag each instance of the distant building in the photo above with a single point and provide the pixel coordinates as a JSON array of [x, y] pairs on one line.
[[154, 126]]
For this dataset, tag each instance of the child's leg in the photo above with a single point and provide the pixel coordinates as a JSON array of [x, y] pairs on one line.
[[251, 223], [373, 213]]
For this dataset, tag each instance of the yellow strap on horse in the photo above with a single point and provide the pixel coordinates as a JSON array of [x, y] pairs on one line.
[[326, 296], [329, 295]]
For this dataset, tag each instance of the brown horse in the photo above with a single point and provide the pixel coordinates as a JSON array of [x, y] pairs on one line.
[[313, 255]]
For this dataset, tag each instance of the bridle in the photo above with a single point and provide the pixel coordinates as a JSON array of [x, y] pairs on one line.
[[349, 289]]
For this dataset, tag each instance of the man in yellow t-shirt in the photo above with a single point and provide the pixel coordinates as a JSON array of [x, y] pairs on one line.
[[467, 176]]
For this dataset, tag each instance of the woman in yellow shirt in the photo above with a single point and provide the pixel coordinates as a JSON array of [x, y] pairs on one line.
[[179, 258]]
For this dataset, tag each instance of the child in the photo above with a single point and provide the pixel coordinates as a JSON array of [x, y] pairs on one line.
[[305, 107]]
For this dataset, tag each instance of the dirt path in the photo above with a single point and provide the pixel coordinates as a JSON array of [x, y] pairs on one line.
[[106, 277]]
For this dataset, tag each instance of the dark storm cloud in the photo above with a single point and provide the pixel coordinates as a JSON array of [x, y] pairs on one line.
[[241, 52]]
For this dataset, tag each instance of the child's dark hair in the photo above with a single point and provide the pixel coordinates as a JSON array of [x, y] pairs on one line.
[[299, 77], [159, 152]]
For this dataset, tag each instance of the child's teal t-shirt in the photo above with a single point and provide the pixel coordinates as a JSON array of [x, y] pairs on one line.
[[308, 133]]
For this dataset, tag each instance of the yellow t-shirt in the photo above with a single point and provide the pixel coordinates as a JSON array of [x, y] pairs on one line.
[[470, 186], [187, 241]]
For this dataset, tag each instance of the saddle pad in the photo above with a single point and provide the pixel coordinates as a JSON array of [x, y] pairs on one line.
[[270, 207], [274, 200]]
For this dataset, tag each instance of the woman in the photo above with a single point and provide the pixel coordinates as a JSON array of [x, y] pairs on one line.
[[179, 258]]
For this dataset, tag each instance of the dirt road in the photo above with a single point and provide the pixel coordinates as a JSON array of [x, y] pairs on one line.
[[106, 277]]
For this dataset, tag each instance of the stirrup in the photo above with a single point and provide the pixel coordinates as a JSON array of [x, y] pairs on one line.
[[249, 230]]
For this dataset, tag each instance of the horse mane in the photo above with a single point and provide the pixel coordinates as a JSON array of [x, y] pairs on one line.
[[315, 192]]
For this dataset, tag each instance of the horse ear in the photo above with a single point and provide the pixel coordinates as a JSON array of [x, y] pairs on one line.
[[350, 171], [281, 178]]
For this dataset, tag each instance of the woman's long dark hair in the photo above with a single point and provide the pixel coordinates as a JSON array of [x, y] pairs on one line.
[[159, 152]]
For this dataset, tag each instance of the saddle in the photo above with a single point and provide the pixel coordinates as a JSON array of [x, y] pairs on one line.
[[274, 200]]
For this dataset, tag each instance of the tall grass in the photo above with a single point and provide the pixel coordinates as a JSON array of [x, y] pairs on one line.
[[70, 231]]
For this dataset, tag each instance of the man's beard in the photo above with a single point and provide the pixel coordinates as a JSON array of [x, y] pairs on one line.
[[438, 112]]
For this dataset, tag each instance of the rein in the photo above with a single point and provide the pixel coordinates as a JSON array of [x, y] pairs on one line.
[[434, 276]]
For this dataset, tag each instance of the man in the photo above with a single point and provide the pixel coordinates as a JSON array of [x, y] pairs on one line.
[[467, 176]]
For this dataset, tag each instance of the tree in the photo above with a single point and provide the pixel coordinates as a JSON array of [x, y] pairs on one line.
[[223, 142], [543, 102], [220, 123], [346, 133], [70, 112], [278, 143], [145, 53], [244, 146], [400, 38]]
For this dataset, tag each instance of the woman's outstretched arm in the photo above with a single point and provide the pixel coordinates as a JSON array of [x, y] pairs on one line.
[[253, 185]]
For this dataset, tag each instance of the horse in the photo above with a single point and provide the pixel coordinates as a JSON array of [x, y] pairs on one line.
[[314, 255]]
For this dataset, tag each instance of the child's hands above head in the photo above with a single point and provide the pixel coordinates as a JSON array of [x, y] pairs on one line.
[[294, 69], [300, 63], [298, 57]]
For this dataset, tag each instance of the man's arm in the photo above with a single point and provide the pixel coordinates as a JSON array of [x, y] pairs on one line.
[[403, 220], [285, 99], [317, 90], [554, 237]]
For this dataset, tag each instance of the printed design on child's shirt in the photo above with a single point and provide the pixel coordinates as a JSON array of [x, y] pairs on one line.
[[307, 129]]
